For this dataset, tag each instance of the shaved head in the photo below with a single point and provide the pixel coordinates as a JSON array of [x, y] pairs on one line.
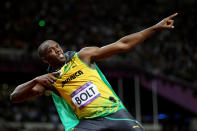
[[50, 52]]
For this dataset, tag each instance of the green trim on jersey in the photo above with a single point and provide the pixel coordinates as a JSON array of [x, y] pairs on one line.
[[84, 62], [69, 67], [67, 116], [107, 83]]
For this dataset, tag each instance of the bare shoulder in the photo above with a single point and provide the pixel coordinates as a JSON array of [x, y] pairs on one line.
[[87, 52]]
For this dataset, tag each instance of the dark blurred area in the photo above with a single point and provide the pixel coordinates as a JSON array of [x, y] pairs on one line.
[[169, 56]]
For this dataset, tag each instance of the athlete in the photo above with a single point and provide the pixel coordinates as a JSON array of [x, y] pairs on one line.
[[83, 97]]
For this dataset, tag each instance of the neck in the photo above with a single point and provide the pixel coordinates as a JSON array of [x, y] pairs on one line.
[[57, 66]]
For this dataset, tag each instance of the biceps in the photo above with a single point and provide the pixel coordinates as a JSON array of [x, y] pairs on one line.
[[108, 51], [17, 97], [38, 89], [89, 54]]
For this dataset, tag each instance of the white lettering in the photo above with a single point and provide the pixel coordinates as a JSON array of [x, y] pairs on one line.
[[86, 96]]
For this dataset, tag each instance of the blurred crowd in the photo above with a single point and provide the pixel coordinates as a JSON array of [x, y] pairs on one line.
[[79, 23], [42, 110], [75, 24], [31, 111]]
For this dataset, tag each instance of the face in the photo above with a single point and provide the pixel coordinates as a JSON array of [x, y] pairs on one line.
[[54, 53]]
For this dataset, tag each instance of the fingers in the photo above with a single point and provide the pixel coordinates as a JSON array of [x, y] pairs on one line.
[[51, 79], [166, 23], [170, 23], [47, 83], [56, 74], [47, 80], [169, 27], [172, 16]]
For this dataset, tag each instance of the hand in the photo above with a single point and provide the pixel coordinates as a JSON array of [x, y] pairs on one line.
[[48, 79], [166, 23]]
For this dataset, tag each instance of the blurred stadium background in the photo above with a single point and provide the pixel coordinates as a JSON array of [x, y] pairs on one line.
[[157, 80]]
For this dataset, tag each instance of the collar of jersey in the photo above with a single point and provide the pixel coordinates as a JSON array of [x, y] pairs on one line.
[[66, 67]]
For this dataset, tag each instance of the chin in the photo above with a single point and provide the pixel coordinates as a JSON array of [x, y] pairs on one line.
[[62, 60]]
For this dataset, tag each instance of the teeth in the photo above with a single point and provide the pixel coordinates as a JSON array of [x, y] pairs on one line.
[[61, 55]]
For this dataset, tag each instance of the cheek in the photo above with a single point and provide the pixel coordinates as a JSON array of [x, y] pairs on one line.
[[52, 56]]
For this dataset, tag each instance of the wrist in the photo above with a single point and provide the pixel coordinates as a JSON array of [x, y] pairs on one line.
[[154, 28]]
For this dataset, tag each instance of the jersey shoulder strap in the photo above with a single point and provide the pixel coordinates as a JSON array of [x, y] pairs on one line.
[[69, 55]]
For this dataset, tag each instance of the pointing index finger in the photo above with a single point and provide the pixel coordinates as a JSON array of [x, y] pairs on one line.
[[175, 14]]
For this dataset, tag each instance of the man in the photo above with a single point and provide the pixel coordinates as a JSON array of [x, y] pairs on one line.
[[83, 97]]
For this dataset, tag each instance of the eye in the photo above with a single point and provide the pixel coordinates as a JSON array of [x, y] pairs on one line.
[[50, 50]]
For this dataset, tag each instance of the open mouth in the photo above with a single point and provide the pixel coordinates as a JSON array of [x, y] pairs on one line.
[[61, 55]]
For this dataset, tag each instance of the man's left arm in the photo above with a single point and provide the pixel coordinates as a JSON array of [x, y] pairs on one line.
[[126, 43]]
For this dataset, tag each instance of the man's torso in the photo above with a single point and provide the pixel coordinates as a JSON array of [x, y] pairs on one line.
[[85, 90]]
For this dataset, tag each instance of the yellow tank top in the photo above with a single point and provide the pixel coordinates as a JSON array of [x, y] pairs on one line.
[[85, 91]]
